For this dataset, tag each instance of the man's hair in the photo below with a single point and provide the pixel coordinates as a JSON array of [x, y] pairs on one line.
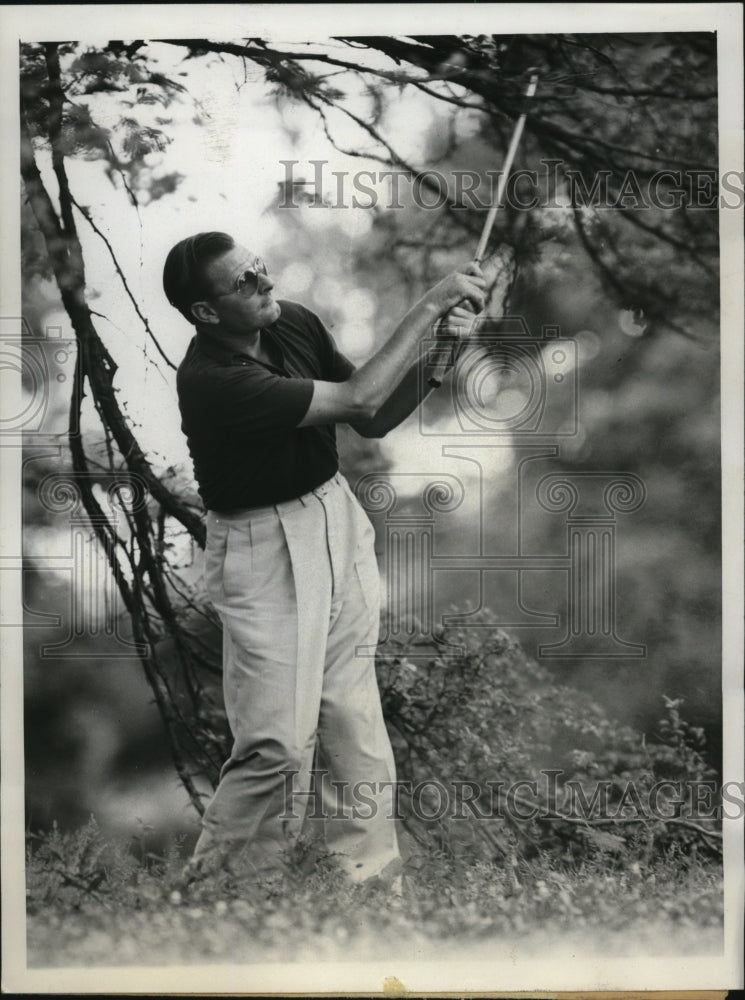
[[184, 272]]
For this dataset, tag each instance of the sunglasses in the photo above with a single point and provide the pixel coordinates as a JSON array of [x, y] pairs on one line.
[[247, 282]]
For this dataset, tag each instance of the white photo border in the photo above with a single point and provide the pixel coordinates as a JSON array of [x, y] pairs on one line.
[[311, 22]]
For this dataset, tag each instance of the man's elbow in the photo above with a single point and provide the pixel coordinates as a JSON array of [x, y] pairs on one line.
[[364, 413], [365, 406], [369, 427], [362, 407], [364, 400]]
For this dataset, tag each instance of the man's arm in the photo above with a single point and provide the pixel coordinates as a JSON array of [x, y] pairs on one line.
[[411, 390], [402, 401], [458, 325], [498, 271], [358, 400]]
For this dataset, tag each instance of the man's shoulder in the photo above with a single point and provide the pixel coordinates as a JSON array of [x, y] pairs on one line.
[[198, 366], [188, 359], [296, 313], [298, 324], [193, 358]]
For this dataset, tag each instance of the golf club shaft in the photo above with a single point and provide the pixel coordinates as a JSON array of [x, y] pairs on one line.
[[438, 374]]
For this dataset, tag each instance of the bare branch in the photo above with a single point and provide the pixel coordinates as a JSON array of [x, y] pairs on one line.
[[87, 216]]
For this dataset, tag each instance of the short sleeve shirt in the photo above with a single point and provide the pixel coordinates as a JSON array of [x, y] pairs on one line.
[[241, 416]]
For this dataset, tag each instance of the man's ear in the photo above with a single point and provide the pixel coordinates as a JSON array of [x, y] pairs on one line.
[[203, 312]]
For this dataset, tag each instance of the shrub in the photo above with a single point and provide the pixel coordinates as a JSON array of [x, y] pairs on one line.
[[486, 713]]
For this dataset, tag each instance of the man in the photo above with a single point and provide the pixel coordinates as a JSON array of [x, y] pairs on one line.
[[289, 564]]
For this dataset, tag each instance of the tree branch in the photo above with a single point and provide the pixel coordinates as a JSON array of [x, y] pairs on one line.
[[87, 216]]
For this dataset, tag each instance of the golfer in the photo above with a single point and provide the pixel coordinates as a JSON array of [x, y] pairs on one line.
[[290, 564]]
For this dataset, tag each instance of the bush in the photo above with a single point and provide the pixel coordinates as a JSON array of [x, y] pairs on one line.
[[488, 716], [485, 713]]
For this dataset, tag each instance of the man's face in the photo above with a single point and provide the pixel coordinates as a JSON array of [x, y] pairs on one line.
[[232, 311]]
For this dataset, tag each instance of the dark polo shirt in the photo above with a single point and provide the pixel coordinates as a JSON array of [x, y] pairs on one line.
[[240, 416]]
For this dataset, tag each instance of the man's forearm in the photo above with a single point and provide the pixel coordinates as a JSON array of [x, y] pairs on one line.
[[390, 376], [374, 382], [359, 398], [404, 399]]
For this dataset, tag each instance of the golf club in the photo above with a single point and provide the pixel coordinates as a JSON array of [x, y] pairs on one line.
[[438, 374]]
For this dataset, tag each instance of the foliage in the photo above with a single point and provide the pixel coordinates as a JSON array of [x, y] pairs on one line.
[[489, 716], [117, 72], [477, 710], [91, 902]]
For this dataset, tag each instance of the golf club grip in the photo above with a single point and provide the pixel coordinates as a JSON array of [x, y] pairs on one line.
[[435, 379]]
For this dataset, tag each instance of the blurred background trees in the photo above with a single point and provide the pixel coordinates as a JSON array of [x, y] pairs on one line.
[[633, 283]]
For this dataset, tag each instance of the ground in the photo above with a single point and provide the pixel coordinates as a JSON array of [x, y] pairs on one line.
[[97, 905]]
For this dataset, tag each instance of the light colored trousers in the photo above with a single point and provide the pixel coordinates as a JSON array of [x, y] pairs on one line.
[[297, 588]]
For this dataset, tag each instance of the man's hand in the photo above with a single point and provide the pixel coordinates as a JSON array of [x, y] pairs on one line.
[[465, 285], [391, 377], [457, 324], [498, 271]]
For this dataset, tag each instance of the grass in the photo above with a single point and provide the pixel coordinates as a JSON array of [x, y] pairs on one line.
[[92, 902]]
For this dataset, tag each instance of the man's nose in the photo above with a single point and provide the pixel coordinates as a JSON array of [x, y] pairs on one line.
[[265, 283]]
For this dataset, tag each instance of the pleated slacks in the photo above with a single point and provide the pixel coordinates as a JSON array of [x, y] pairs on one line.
[[296, 586]]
